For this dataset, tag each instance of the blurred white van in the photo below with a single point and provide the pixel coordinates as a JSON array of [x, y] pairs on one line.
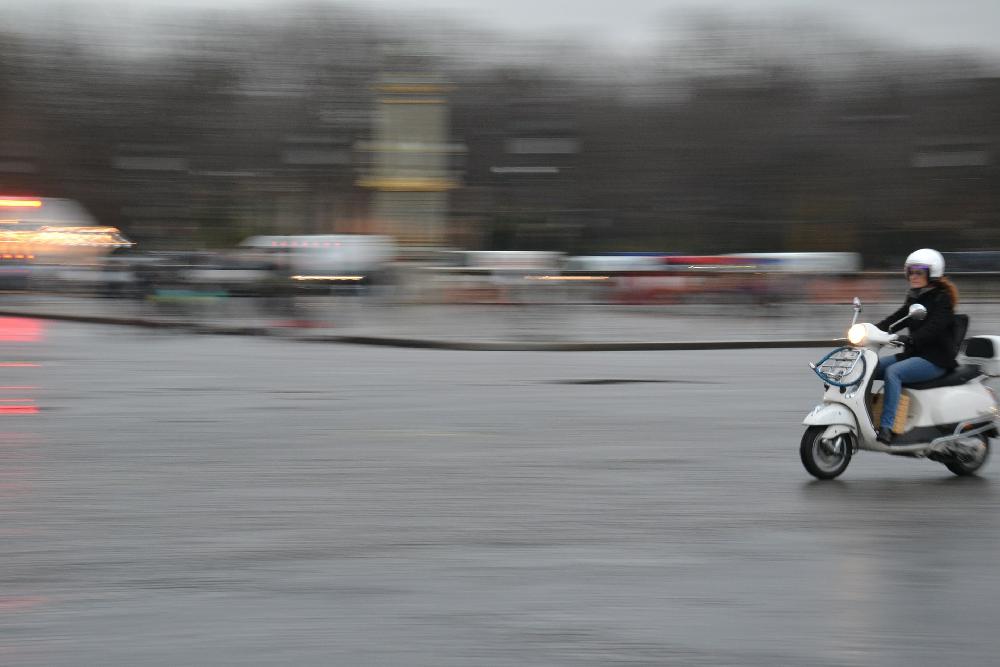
[[328, 257]]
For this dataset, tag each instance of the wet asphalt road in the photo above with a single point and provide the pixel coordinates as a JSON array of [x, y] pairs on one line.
[[186, 500]]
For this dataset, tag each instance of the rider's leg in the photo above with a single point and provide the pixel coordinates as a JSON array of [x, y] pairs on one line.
[[914, 369], [884, 363]]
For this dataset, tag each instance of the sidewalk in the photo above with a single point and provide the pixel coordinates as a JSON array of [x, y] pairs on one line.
[[360, 320]]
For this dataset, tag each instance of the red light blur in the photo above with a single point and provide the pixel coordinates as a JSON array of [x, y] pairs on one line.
[[21, 603], [18, 409], [20, 329]]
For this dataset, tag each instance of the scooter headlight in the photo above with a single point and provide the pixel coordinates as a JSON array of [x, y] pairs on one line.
[[857, 334]]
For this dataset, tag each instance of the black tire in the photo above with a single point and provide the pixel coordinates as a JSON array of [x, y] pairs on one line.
[[819, 459], [963, 467]]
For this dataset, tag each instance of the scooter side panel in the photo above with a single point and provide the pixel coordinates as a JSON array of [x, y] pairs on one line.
[[948, 405]]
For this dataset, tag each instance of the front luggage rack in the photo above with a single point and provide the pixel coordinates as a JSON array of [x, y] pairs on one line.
[[837, 367]]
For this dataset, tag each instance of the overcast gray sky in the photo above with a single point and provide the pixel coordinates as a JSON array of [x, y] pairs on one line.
[[632, 24], [929, 23]]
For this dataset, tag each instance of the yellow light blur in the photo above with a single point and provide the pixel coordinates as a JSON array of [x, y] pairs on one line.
[[21, 203], [560, 278], [410, 88], [341, 278], [429, 100], [391, 184]]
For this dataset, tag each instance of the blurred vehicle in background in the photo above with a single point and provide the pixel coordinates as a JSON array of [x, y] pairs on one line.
[[109, 276], [972, 261], [802, 262], [649, 278], [232, 273], [50, 241], [615, 262], [14, 274], [512, 260], [494, 276], [325, 260], [761, 278]]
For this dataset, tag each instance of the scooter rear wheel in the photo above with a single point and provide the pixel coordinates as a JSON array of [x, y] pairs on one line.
[[967, 465], [825, 460]]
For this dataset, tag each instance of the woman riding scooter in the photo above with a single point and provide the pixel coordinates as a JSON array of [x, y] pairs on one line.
[[930, 349]]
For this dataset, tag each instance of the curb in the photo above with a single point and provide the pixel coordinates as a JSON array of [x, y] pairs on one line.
[[506, 346], [93, 319], [432, 344]]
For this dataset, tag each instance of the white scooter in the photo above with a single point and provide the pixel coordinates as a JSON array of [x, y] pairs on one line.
[[948, 420]]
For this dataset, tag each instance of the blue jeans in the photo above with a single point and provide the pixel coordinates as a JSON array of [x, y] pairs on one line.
[[895, 373]]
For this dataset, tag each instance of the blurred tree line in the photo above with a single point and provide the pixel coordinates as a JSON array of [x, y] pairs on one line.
[[203, 128]]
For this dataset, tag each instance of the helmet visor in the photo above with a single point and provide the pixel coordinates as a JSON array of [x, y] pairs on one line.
[[917, 269]]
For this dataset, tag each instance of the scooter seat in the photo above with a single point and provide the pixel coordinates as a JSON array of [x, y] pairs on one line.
[[960, 375]]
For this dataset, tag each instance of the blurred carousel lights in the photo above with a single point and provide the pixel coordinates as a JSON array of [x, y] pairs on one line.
[[28, 243], [32, 226]]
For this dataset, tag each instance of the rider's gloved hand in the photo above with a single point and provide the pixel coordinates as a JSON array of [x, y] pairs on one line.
[[904, 340]]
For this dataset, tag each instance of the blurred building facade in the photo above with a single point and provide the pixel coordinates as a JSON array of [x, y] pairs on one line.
[[409, 165], [211, 142]]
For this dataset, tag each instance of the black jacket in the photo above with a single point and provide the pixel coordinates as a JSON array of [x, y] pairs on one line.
[[934, 337]]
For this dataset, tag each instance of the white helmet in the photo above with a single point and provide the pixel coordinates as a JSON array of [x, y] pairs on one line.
[[927, 259]]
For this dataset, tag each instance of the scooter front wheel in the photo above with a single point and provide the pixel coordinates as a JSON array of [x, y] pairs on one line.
[[825, 460]]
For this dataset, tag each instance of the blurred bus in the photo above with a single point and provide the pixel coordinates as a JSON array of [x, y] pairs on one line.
[[801, 262], [756, 262], [614, 262]]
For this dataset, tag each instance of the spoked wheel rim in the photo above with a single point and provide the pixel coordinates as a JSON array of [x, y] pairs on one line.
[[830, 456]]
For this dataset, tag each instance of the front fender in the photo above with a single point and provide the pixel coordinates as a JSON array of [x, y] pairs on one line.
[[828, 414]]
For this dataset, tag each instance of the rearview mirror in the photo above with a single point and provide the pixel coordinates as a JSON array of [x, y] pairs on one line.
[[857, 309], [917, 312]]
